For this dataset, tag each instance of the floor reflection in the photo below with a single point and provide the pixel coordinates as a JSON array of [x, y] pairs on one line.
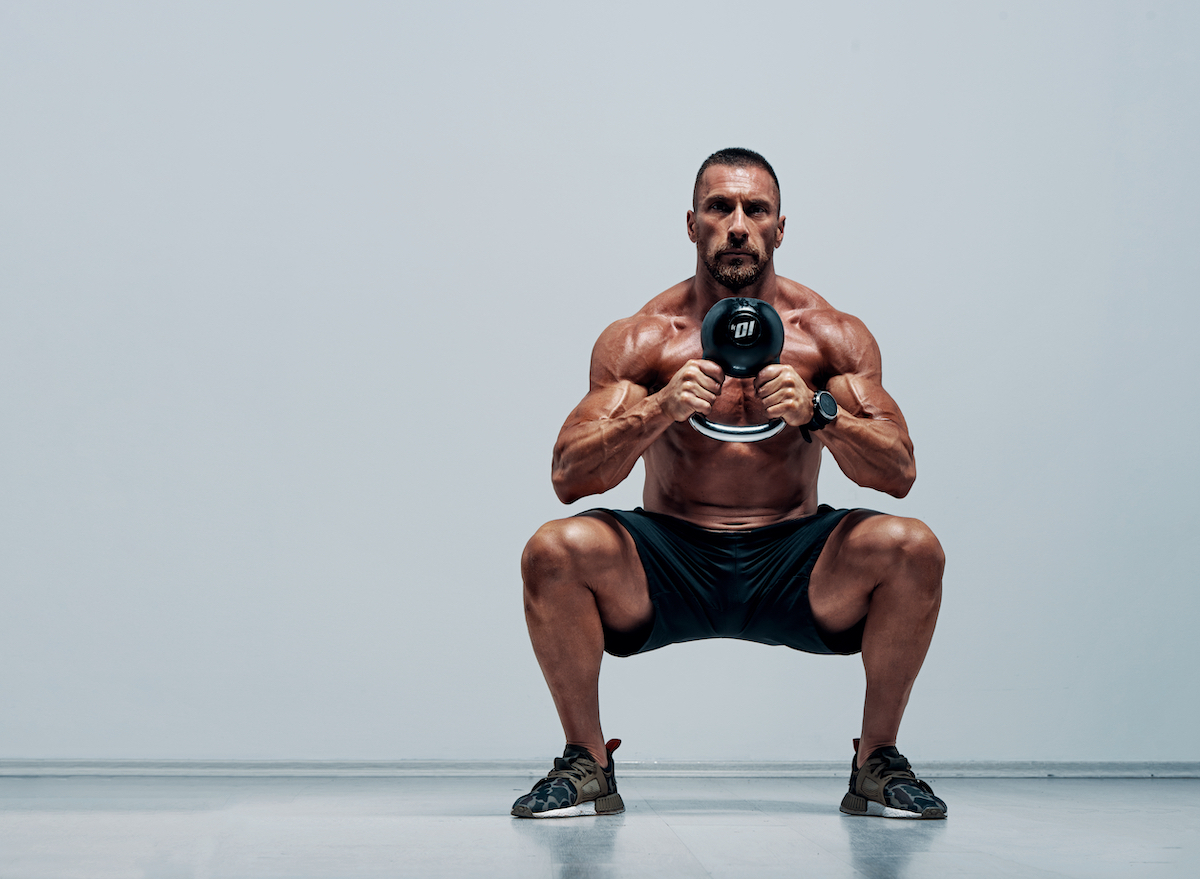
[[883, 848], [579, 848]]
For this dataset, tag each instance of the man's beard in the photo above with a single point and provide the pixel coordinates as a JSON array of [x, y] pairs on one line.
[[736, 276]]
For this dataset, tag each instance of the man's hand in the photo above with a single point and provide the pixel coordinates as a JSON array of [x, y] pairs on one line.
[[785, 394], [692, 389]]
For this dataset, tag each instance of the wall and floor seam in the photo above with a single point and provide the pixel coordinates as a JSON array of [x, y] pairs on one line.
[[16, 768]]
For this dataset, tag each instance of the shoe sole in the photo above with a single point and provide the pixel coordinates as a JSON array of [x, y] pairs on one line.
[[862, 807], [610, 805]]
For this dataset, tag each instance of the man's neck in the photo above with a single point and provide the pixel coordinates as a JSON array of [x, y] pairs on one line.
[[710, 290]]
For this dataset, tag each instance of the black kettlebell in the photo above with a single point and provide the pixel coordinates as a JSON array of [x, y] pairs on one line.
[[742, 336]]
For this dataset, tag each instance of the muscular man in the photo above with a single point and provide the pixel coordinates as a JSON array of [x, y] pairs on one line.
[[731, 542]]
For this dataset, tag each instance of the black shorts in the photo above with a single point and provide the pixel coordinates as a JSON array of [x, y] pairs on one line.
[[751, 585]]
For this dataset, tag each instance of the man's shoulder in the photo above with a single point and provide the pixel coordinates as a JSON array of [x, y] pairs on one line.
[[667, 314], [679, 301], [633, 346], [842, 337]]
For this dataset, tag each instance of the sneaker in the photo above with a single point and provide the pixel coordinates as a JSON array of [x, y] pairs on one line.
[[577, 785], [885, 786]]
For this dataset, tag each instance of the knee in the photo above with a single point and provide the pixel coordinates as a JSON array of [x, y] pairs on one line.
[[922, 545], [911, 543], [552, 553]]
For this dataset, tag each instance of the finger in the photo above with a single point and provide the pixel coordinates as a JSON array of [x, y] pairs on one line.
[[701, 383], [780, 401], [786, 379], [783, 394], [698, 402], [701, 386], [780, 383], [713, 386], [711, 369], [769, 372], [772, 399], [766, 388]]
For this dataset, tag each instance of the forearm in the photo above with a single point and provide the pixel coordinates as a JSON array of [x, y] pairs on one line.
[[873, 452], [592, 456]]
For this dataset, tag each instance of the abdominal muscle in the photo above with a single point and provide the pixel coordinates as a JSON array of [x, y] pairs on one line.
[[727, 486]]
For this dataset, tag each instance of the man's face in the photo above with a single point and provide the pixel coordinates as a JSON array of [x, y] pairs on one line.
[[736, 224]]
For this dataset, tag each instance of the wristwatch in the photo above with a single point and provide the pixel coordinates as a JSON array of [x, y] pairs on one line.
[[825, 411]]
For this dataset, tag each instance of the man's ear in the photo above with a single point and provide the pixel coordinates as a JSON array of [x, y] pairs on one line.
[[779, 230], [691, 226]]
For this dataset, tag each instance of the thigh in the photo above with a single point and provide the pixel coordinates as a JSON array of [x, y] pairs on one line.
[[609, 565], [852, 563]]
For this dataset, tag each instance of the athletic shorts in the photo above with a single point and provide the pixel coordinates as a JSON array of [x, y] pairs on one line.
[[751, 585]]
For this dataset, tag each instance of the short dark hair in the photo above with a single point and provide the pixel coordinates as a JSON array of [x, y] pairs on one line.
[[735, 157]]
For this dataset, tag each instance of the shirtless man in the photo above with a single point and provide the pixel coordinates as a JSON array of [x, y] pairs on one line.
[[732, 542]]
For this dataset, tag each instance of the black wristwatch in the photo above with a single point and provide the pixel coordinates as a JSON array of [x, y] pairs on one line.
[[824, 412]]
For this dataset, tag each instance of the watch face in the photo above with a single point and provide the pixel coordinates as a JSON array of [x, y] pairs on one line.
[[827, 405]]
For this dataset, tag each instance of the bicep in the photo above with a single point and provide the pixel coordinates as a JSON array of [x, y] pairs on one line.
[[857, 384], [614, 374]]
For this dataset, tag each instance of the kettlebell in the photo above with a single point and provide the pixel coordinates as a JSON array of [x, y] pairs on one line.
[[741, 335]]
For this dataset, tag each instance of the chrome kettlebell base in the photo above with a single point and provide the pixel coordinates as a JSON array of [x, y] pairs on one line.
[[736, 433]]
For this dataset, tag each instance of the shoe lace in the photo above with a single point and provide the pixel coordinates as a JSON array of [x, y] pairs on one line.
[[575, 769], [893, 766]]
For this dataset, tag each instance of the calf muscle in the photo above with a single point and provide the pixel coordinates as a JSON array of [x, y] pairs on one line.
[[580, 575], [888, 570]]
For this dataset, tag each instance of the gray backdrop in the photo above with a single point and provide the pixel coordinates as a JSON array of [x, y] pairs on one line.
[[296, 296]]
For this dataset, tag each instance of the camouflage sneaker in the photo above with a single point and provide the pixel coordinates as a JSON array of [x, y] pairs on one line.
[[577, 785], [885, 786]]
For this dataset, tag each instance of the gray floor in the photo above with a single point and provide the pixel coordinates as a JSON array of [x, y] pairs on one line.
[[673, 827]]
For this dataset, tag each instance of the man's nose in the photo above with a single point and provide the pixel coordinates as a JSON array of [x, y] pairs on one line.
[[737, 224]]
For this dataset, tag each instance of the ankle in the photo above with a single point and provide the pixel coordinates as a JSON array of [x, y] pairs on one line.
[[599, 753], [864, 748]]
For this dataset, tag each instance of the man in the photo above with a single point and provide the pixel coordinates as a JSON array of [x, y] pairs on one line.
[[732, 542]]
